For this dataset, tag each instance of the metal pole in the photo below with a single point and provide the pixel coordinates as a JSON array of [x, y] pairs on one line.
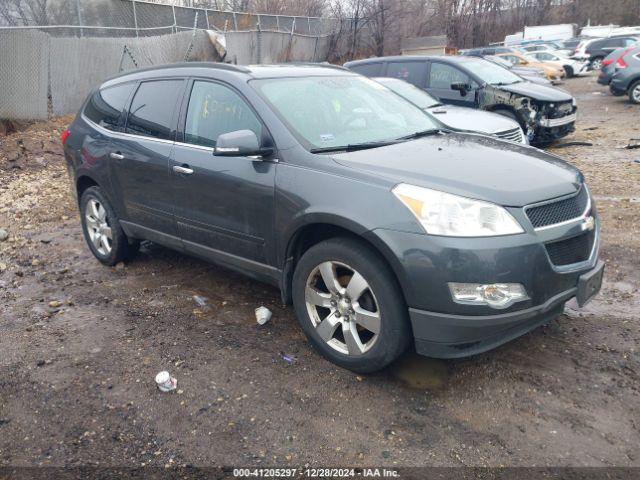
[[79, 11], [259, 49], [278, 22], [135, 18], [235, 22], [309, 24], [206, 15], [175, 28]]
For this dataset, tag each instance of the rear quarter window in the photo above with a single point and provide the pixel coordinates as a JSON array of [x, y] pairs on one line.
[[105, 107], [368, 69], [153, 108]]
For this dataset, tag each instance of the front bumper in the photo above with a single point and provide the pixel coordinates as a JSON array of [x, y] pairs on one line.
[[425, 265], [452, 336]]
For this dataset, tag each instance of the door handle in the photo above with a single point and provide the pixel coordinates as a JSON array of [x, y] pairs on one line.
[[116, 156], [182, 170]]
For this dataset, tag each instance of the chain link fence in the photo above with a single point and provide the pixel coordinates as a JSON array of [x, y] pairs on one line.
[[49, 69], [111, 18]]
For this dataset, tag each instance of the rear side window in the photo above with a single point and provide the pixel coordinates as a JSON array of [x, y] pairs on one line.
[[368, 69], [152, 108], [412, 72], [105, 106]]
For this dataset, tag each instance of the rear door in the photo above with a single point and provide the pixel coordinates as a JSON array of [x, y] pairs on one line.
[[441, 76], [225, 205], [141, 162]]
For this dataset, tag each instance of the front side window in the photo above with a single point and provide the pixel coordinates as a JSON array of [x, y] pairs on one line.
[[334, 111], [152, 108], [443, 75], [412, 93], [412, 72], [105, 106], [215, 109]]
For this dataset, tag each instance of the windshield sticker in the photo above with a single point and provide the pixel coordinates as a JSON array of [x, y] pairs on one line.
[[327, 137]]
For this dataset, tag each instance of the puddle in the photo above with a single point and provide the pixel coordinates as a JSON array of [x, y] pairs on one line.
[[420, 372]]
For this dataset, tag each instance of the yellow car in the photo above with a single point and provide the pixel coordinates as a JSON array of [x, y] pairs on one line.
[[554, 73]]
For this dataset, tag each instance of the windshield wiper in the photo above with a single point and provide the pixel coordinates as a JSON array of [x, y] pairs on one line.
[[353, 147], [423, 133], [502, 84]]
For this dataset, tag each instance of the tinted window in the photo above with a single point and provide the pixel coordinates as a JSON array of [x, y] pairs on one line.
[[489, 51], [412, 72], [105, 106], [368, 69], [442, 76], [215, 109], [152, 108]]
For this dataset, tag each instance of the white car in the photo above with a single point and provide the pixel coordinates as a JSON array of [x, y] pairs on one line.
[[572, 66]]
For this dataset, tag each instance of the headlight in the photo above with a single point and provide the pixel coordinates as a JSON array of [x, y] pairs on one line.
[[450, 215], [574, 102]]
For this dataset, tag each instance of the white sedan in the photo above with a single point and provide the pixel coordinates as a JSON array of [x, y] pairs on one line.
[[571, 66]]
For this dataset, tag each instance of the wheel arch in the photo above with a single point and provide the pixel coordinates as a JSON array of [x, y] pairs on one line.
[[83, 182], [320, 228]]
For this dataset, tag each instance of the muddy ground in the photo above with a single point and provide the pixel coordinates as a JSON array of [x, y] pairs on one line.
[[80, 345]]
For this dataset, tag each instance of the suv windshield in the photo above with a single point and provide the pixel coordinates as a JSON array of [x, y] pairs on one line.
[[491, 73], [340, 111]]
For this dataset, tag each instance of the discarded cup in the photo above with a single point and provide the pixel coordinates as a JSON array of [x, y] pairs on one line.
[[201, 301], [165, 381], [263, 315]]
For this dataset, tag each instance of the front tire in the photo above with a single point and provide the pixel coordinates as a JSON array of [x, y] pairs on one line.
[[569, 71], [634, 92], [102, 231], [350, 305]]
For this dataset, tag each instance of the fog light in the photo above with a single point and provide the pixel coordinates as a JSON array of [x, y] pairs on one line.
[[495, 295]]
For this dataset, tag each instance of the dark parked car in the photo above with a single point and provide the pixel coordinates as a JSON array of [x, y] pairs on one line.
[[609, 64], [378, 227], [626, 79], [459, 119], [544, 113], [481, 52], [599, 49]]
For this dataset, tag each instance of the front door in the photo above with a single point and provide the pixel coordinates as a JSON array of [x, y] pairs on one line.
[[224, 206], [441, 76]]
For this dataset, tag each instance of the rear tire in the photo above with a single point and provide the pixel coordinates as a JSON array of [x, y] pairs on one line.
[[634, 92], [596, 63], [357, 318], [102, 231], [569, 71]]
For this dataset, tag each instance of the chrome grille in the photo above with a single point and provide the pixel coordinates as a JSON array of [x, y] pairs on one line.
[[571, 250], [560, 211], [513, 135]]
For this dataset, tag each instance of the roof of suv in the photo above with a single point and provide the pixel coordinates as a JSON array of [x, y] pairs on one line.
[[249, 71], [448, 58]]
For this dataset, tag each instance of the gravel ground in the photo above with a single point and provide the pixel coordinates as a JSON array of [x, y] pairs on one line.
[[81, 343]]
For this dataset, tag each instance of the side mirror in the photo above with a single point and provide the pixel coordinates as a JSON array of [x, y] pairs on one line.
[[461, 87], [240, 143]]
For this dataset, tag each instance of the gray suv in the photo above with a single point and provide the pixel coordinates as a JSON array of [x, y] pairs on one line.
[[379, 228], [626, 77]]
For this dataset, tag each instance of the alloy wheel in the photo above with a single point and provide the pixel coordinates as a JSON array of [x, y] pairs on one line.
[[98, 227], [636, 94], [596, 64], [343, 308]]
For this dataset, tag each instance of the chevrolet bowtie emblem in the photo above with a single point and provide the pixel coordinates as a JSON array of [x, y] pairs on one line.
[[589, 223]]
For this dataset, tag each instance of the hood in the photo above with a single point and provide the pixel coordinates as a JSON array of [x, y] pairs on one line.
[[537, 92], [461, 118], [473, 166]]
